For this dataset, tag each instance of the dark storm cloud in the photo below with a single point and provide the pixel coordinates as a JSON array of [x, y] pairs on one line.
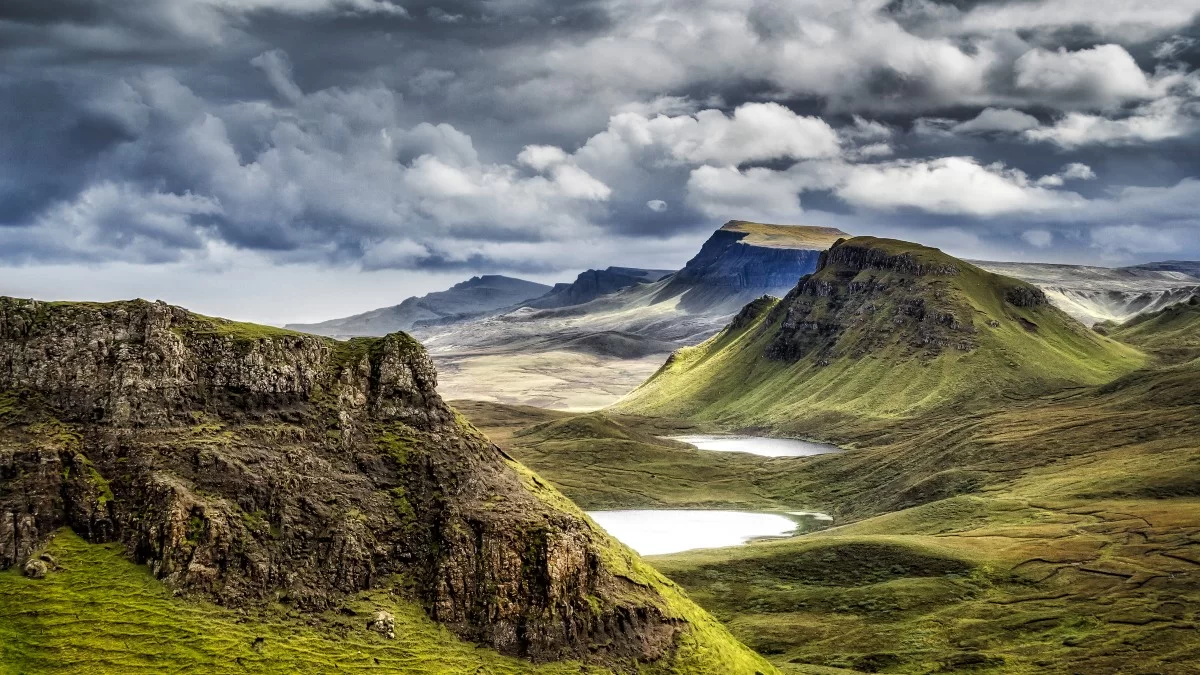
[[494, 134]]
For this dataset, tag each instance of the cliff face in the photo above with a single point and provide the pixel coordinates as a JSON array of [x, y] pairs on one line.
[[865, 297], [737, 264], [244, 463]]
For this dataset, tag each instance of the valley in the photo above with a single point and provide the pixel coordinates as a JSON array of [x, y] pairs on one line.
[[1044, 523], [901, 463]]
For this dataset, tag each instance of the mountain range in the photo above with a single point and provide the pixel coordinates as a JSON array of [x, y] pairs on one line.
[[477, 296], [584, 344]]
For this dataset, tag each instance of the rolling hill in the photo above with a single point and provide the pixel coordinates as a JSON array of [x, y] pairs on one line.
[[882, 329]]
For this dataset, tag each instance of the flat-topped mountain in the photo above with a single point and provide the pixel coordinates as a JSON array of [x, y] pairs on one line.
[[881, 328], [743, 259], [250, 465], [477, 296], [623, 334]]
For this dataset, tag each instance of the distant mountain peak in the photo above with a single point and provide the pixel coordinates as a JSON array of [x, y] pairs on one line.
[[480, 295]]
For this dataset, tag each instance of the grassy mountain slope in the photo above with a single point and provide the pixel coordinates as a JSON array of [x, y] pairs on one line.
[[1072, 523], [1173, 333], [883, 329]]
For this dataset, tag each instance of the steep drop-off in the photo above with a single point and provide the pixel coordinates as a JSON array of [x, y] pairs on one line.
[[247, 465], [883, 328]]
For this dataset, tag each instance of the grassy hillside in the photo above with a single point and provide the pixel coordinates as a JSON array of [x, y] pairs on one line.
[[100, 613], [884, 330], [604, 462], [1054, 533], [1059, 535], [1172, 333]]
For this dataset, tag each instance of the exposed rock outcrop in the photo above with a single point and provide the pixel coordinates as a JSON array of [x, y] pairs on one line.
[[743, 260], [244, 464]]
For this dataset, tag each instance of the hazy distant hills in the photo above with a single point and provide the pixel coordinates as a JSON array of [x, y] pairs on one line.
[[592, 284], [739, 262], [584, 343], [473, 297], [1095, 294]]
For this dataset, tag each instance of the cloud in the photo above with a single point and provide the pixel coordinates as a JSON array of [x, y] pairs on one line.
[[949, 185], [1104, 75], [753, 194], [1072, 171], [1117, 241], [1160, 120], [755, 132], [1038, 238], [369, 133], [998, 119], [278, 69]]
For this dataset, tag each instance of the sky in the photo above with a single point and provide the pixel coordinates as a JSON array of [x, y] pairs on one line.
[[297, 160]]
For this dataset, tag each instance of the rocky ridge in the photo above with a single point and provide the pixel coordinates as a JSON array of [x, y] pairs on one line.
[[245, 464]]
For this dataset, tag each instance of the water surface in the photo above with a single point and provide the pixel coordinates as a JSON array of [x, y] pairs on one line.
[[655, 532], [757, 445]]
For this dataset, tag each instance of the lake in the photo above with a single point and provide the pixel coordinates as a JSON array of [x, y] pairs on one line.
[[655, 532], [757, 445]]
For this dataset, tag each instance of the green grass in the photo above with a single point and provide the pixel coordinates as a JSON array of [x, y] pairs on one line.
[[101, 613], [1172, 333], [1053, 532], [199, 325]]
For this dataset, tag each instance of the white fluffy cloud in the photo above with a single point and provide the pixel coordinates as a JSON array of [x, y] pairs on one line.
[[754, 132], [1164, 119], [998, 119], [949, 185], [1105, 75], [753, 194]]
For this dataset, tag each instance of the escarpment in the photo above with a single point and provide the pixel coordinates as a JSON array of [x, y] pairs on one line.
[[864, 297], [246, 464]]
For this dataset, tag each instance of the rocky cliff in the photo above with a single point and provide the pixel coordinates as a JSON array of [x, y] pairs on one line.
[[244, 464], [743, 260]]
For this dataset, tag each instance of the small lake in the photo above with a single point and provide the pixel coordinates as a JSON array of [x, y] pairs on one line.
[[656, 532], [757, 445]]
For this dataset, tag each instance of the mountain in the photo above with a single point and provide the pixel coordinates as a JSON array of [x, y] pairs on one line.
[[618, 339], [592, 284], [881, 329], [321, 489], [743, 260], [1096, 294], [476, 296]]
